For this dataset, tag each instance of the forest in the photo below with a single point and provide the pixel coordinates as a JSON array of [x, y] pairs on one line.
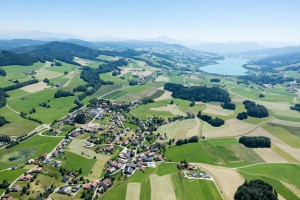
[[255, 141], [296, 107], [266, 79], [198, 93], [10, 58], [256, 189], [2, 98], [216, 122]]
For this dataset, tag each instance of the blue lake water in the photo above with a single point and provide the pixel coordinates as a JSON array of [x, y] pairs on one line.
[[228, 66]]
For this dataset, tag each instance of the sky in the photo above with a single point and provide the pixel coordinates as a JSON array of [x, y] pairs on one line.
[[201, 20]]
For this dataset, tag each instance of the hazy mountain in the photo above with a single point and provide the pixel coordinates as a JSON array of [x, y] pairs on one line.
[[230, 47], [36, 35], [16, 43], [272, 51]]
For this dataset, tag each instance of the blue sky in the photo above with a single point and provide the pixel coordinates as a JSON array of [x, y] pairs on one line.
[[203, 20]]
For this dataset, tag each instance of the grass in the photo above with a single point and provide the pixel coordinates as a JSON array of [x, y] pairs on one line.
[[17, 126], [289, 173], [277, 185], [116, 193], [139, 176], [223, 141], [30, 148], [291, 129], [74, 161], [247, 154], [4, 82], [194, 189], [145, 189], [166, 168], [283, 135], [17, 71], [114, 95], [194, 152]]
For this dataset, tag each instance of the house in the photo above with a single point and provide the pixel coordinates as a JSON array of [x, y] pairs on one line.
[[25, 177], [116, 164], [111, 170], [76, 188], [105, 183], [48, 188], [67, 190], [159, 157], [65, 179], [56, 164], [125, 143], [36, 170], [30, 161], [90, 185], [15, 188], [190, 167], [109, 149], [129, 169], [43, 157]]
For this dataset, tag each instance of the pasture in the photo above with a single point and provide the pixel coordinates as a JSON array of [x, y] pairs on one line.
[[10, 176]]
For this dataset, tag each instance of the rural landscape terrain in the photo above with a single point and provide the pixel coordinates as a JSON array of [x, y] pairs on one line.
[[142, 120]]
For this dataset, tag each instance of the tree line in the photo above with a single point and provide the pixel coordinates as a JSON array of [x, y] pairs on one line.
[[19, 85], [3, 96], [198, 93], [193, 139], [296, 107], [216, 122], [255, 141]]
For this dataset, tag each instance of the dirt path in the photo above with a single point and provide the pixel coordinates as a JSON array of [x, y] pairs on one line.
[[133, 191], [228, 180], [162, 187]]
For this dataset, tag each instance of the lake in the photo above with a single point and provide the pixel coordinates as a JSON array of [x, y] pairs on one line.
[[228, 66]]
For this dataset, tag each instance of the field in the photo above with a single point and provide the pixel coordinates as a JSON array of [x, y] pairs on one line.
[[17, 126], [161, 187], [10, 176], [30, 148], [116, 193], [133, 191], [285, 172], [194, 189], [72, 160]]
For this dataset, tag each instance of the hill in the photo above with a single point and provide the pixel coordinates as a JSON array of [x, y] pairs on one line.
[[10, 58]]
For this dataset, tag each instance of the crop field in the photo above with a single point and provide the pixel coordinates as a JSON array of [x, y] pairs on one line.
[[162, 187], [283, 135], [17, 126], [277, 185], [285, 172], [194, 189], [30, 148], [156, 94], [17, 71], [291, 129], [116, 193]]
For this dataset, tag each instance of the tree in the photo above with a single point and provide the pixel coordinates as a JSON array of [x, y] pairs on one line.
[[93, 102], [3, 121], [5, 139], [80, 118], [228, 105], [255, 141], [255, 190], [242, 116], [65, 72], [192, 103], [46, 81]]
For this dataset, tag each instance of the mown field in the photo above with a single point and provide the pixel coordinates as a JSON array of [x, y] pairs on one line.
[[10, 176]]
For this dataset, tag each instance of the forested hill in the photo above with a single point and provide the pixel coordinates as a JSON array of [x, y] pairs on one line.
[[10, 58], [278, 61], [59, 50]]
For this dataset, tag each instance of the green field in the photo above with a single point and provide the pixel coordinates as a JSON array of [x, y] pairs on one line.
[[289, 173], [17, 71], [194, 189], [30, 148], [17, 126], [277, 185], [116, 193], [156, 94], [291, 129], [73, 161], [4, 82], [145, 189], [166, 168]]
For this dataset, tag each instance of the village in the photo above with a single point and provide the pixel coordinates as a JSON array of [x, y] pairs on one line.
[[106, 130]]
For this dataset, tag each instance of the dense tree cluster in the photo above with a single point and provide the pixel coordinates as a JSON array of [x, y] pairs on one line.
[[185, 141], [228, 105], [2, 98], [80, 118], [255, 141], [198, 93], [256, 190], [216, 122], [5, 139], [112, 66], [19, 85], [2, 72], [133, 82], [255, 110], [296, 107], [242, 116], [215, 80], [3, 121], [62, 93]]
